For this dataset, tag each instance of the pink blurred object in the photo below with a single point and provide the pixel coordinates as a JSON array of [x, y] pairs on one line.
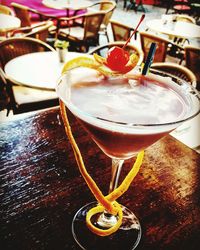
[[37, 5]]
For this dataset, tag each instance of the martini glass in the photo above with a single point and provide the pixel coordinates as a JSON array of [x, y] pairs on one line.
[[123, 115]]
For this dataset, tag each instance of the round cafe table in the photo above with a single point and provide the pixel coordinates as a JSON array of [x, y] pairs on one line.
[[174, 28], [67, 5], [37, 70], [8, 23]]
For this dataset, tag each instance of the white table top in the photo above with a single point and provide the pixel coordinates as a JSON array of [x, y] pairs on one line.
[[67, 4], [8, 22], [38, 70], [178, 28]]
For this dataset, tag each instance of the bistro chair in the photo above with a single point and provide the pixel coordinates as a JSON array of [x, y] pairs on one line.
[[39, 31], [121, 32], [176, 70], [24, 14], [4, 93], [83, 35], [15, 46], [6, 10], [185, 18], [103, 49], [192, 61], [164, 47], [108, 8], [24, 99], [161, 49], [21, 99]]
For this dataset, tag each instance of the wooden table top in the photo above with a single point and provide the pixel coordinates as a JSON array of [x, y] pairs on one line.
[[41, 188]]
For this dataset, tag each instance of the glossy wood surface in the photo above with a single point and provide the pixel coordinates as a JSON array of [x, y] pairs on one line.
[[41, 188]]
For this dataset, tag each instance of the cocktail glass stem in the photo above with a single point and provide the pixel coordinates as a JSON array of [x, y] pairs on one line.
[[106, 219], [116, 170]]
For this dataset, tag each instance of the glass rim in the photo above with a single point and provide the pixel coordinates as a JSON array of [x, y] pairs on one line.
[[193, 92]]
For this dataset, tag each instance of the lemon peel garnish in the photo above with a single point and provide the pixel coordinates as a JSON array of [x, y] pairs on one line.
[[108, 202], [88, 62], [133, 60], [99, 58], [83, 61]]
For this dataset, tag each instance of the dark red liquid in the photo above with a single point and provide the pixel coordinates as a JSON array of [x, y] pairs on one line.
[[120, 145], [125, 102]]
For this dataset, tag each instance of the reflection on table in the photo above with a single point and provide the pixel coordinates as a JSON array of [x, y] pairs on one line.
[[38, 70], [8, 23], [41, 187], [174, 28]]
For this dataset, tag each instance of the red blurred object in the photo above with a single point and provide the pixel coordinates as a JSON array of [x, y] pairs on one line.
[[117, 58]]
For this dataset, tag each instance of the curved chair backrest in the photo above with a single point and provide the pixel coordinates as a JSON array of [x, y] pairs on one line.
[[108, 7], [7, 98], [192, 60], [6, 10], [92, 23], [176, 70], [13, 47], [121, 32], [4, 96], [39, 31], [83, 35], [161, 49], [185, 18], [103, 49], [22, 12]]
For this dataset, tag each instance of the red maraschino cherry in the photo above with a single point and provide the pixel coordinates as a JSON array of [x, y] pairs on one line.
[[117, 57]]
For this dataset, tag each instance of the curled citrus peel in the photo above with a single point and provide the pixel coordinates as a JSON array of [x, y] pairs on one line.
[[101, 209], [99, 63], [108, 202]]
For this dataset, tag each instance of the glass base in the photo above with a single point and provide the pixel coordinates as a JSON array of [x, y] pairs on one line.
[[126, 238]]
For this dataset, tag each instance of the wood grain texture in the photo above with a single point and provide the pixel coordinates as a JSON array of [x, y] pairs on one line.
[[41, 188]]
